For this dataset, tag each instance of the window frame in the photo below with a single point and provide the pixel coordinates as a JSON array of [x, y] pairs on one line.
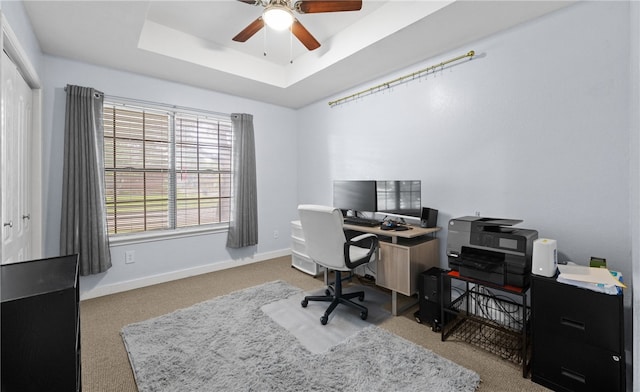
[[173, 112]]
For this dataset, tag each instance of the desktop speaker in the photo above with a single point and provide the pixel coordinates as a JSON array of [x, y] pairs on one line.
[[545, 257], [428, 217]]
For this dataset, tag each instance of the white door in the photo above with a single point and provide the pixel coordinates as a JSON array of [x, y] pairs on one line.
[[16, 129]]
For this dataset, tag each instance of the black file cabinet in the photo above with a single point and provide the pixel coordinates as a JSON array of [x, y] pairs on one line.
[[41, 325], [578, 337]]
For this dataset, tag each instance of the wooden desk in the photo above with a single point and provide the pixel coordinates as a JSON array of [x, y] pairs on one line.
[[413, 232], [402, 257]]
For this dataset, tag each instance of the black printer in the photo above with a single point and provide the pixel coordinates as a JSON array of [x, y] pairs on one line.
[[489, 249]]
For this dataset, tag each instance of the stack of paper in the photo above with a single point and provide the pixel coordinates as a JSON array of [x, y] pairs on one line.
[[597, 279]]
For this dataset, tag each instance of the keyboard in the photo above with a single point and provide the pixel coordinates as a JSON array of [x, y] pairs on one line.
[[353, 220]]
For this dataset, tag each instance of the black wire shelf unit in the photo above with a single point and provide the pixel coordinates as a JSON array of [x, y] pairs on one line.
[[491, 317]]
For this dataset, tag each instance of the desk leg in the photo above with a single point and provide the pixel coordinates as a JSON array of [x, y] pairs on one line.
[[394, 303], [395, 310]]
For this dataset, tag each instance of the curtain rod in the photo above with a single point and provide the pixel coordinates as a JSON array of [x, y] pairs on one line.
[[164, 105], [399, 80], [158, 104], [96, 94]]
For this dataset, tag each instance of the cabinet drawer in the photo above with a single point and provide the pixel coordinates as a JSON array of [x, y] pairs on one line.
[[573, 366], [298, 245], [572, 313], [305, 264], [296, 229]]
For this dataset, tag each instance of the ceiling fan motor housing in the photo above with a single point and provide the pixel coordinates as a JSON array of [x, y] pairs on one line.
[[283, 12]]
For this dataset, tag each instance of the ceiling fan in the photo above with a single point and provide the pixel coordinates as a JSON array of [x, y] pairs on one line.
[[278, 14]]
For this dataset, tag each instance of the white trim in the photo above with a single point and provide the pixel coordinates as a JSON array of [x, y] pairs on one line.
[[163, 235], [37, 224], [11, 45], [175, 275]]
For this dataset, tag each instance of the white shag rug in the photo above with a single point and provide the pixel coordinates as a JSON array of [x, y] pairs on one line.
[[229, 344]]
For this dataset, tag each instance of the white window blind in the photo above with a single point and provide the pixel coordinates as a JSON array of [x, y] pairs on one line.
[[165, 170]]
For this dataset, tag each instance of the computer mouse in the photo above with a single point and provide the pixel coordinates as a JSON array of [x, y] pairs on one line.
[[388, 225]]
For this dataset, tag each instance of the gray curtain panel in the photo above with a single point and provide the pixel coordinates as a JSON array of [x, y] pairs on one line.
[[83, 228], [243, 225]]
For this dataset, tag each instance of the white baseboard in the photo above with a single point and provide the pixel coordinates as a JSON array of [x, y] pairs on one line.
[[180, 274]]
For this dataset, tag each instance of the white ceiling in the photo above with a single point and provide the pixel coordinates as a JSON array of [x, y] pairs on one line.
[[190, 41]]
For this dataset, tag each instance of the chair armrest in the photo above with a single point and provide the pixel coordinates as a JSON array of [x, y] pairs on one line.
[[361, 237], [361, 242]]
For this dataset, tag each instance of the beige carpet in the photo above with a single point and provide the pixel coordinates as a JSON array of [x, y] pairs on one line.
[[105, 365]]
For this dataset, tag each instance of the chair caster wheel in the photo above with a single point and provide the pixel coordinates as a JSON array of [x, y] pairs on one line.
[[417, 317], [361, 297], [304, 303], [324, 319], [327, 292], [364, 315]]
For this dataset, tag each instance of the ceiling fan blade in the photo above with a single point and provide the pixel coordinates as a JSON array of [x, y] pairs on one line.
[[252, 2], [304, 36], [316, 6], [250, 30]]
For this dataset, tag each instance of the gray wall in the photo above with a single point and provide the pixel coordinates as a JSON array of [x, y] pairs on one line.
[[275, 136], [542, 125], [537, 127]]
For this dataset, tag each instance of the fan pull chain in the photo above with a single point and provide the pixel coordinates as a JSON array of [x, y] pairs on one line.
[[264, 51], [291, 44]]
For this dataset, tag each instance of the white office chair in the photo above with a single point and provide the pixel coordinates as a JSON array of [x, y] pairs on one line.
[[327, 245]]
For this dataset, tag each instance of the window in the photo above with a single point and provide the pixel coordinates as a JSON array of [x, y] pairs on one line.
[[165, 170]]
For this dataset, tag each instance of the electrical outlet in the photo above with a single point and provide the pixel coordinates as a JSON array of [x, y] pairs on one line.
[[130, 256], [276, 234]]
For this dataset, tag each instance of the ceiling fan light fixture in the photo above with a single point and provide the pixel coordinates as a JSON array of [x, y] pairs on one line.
[[278, 17]]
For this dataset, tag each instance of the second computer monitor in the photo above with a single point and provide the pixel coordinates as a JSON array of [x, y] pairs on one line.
[[399, 198]]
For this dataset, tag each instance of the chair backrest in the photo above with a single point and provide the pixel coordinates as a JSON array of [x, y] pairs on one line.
[[323, 235]]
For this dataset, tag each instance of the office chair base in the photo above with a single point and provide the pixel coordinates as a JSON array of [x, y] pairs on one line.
[[337, 298]]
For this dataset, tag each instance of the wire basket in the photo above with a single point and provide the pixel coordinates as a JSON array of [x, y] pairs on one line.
[[495, 324]]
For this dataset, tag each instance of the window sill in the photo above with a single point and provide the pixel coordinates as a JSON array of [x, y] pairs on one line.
[[138, 238]]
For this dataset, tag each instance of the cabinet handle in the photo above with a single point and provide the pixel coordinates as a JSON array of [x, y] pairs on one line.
[[572, 324], [572, 375], [28, 216], [10, 224]]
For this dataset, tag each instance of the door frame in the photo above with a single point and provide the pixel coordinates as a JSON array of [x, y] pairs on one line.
[[11, 45]]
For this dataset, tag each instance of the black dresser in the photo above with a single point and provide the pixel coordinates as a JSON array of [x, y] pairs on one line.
[[578, 337], [40, 325]]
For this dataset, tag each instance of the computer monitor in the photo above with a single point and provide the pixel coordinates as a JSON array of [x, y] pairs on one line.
[[400, 199], [355, 195]]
